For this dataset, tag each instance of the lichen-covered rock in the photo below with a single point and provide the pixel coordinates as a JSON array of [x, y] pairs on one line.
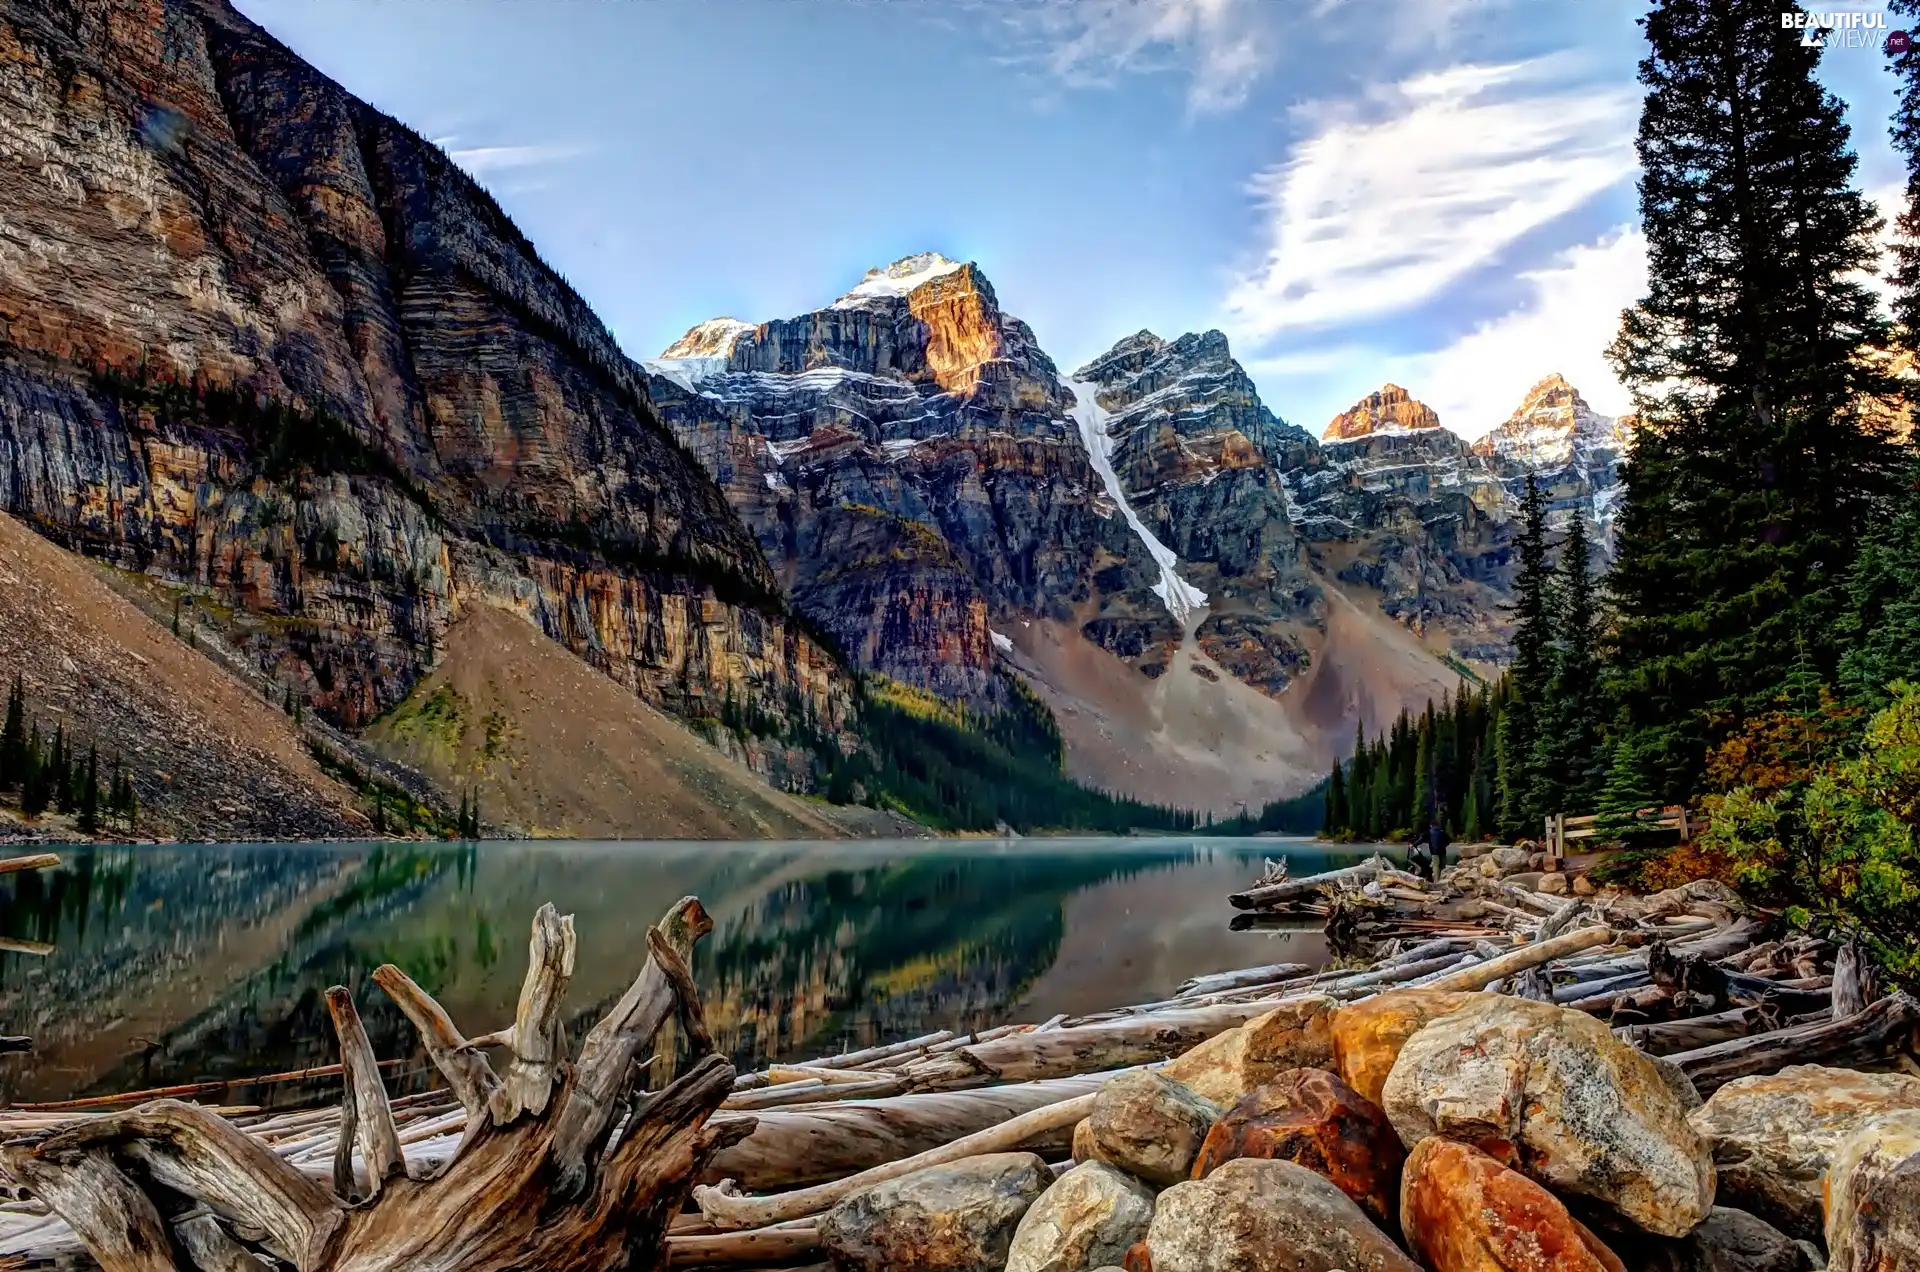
[[1873, 1197], [1773, 1135], [955, 1218], [1089, 1218], [1296, 1034], [1266, 1216], [1083, 1150], [1551, 1092], [1368, 1035], [1464, 1212], [1312, 1118], [1149, 1125], [1727, 1240]]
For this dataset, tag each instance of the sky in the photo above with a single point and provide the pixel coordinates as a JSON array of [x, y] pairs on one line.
[[1437, 193]]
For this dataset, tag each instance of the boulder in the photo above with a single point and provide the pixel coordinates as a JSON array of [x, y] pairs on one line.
[[1083, 1150], [1138, 1258], [1583, 886], [1873, 1197], [1296, 1034], [1510, 860], [1552, 1093], [1149, 1125], [1088, 1219], [1367, 1036], [1554, 884], [1266, 1216], [1772, 1135], [1312, 1118], [955, 1218], [1727, 1240], [1462, 1211]]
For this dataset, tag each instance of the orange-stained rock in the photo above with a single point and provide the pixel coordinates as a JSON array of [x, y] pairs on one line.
[[1139, 1258], [1229, 1065], [1464, 1212], [1367, 1036], [1311, 1117]]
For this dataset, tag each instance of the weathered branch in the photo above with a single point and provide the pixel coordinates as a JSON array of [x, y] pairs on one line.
[[538, 1043], [726, 1210], [463, 1065], [1852, 981], [117, 1222], [365, 1116], [199, 1154], [596, 1094], [1481, 975], [1268, 894], [210, 1248], [1871, 1035]]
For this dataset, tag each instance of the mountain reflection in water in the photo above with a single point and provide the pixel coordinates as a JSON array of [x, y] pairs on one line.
[[183, 964]]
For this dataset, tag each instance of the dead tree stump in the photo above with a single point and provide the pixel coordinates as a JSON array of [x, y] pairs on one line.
[[565, 1166]]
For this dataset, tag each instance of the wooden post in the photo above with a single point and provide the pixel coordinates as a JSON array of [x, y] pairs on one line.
[[1686, 832]]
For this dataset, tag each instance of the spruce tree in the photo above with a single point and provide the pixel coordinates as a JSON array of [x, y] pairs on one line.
[[1425, 806], [13, 738], [1906, 139], [35, 790], [89, 801], [1520, 722], [60, 769], [1880, 626], [1336, 815], [1569, 751], [1756, 467]]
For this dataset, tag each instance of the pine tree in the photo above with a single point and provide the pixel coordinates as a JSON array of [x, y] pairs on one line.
[[1569, 752], [60, 770], [1336, 816], [1880, 626], [35, 789], [13, 738], [1472, 823], [460, 819], [1520, 722], [473, 817], [1424, 806], [89, 800], [1906, 139], [1755, 470]]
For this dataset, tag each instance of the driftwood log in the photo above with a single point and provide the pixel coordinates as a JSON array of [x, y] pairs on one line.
[[1871, 1035], [540, 1179], [1268, 894]]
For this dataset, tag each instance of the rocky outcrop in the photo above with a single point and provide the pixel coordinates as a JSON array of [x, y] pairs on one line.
[[1090, 1217], [1573, 452], [266, 345], [1297, 1034], [1463, 1211], [1310, 1117], [957, 1218], [1388, 409], [1873, 1196], [1266, 1216], [1773, 1136], [1552, 1093]]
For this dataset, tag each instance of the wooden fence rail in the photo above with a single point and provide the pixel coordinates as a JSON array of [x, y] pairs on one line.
[[1561, 828]]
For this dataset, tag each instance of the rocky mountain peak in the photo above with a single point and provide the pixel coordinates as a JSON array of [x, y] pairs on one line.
[[1389, 409], [713, 338], [900, 279], [1551, 426]]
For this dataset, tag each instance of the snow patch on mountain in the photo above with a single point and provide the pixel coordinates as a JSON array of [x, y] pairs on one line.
[[899, 278], [1180, 597]]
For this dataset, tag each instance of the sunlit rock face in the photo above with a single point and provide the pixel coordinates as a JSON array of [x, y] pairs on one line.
[[1389, 409], [262, 340]]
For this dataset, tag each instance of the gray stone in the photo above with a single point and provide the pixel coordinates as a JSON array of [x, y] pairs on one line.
[[1254, 1215], [955, 1218], [1088, 1218], [1873, 1197], [1727, 1240], [1150, 1126]]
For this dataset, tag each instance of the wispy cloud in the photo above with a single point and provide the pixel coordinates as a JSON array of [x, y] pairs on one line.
[[1565, 326], [1392, 199], [1225, 46], [479, 161]]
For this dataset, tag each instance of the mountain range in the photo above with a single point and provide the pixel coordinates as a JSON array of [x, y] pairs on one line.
[[267, 352]]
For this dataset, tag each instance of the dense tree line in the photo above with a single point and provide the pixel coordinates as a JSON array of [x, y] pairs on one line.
[[1496, 759]]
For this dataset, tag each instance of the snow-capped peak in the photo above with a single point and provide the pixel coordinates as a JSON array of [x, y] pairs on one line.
[[713, 338], [899, 278], [1553, 426]]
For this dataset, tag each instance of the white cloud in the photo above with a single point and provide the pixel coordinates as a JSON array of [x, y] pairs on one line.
[[1476, 382], [481, 160], [1227, 45], [1393, 199]]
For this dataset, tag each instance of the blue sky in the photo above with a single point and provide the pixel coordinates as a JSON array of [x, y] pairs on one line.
[[1435, 192]]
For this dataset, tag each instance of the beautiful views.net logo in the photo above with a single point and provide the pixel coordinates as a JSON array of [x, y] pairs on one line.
[[1845, 31]]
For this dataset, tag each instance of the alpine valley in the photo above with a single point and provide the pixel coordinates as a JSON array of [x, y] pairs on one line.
[[270, 361]]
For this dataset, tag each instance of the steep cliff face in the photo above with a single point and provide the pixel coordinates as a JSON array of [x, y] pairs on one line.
[[265, 342], [1389, 409]]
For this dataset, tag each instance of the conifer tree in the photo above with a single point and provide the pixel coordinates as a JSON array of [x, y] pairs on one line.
[[1880, 626], [13, 738], [35, 790], [89, 801], [60, 770], [1520, 721], [1755, 468], [1906, 139], [1569, 752], [1424, 804], [1336, 817]]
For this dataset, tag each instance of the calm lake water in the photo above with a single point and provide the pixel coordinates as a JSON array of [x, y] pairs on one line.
[[140, 967]]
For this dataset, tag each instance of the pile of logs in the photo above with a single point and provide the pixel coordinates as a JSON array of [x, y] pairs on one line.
[[531, 1157]]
